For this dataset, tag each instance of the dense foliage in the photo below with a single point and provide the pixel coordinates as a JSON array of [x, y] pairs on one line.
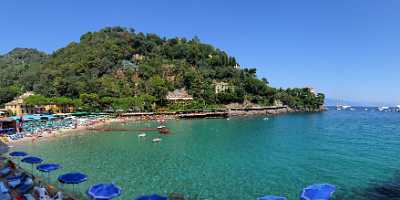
[[19, 72], [118, 68]]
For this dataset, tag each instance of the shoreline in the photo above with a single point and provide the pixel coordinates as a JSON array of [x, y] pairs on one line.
[[159, 117]]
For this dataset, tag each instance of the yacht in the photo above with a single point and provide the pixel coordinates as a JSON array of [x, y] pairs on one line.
[[342, 107], [383, 108]]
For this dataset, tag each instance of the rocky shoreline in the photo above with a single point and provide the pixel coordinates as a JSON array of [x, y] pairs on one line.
[[269, 111]]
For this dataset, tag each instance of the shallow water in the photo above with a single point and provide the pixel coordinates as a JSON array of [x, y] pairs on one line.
[[240, 158]]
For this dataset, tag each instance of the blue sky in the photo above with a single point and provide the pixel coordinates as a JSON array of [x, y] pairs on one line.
[[345, 48]]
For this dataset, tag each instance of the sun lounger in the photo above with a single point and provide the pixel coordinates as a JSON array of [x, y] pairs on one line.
[[4, 192], [5, 171], [26, 186], [28, 197], [15, 181], [3, 188], [5, 196], [58, 196]]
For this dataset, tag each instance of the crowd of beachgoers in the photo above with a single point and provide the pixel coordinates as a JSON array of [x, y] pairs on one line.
[[32, 127], [36, 126]]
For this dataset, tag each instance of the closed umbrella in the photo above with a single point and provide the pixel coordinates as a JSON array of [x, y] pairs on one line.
[[104, 191], [322, 191]]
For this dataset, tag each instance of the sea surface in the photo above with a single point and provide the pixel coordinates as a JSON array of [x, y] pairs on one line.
[[240, 158]]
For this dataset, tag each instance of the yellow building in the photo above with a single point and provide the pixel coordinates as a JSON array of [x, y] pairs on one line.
[[18, 106], [55, 108]]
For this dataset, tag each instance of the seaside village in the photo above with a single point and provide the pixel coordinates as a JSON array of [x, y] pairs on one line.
[[20, 121]]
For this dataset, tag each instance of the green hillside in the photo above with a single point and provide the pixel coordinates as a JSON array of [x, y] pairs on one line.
[[120, 68]]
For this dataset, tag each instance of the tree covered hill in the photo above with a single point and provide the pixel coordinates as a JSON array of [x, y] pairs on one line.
[[19, 70], [119, 63]]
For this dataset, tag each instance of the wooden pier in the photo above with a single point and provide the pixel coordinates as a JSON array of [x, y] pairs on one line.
[[204, 115]]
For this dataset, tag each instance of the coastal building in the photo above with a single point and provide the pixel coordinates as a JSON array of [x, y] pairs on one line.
[[221, 87], [55, 108], [19, 107], [179, 95], [6, 123]]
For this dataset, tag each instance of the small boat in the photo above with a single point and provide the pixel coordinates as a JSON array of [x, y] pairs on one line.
[[157, 140], [142, 135], [266, 118], [161, 127], [383, 108]]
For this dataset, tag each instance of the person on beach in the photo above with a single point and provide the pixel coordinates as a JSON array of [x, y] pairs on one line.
[[12, 165]]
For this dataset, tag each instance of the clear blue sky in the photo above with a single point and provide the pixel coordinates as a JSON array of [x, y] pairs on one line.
[[348, 49]]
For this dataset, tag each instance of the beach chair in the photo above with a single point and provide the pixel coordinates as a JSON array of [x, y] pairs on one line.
[[5, 196], [28, 197], [25, 186], [15, 181], [4, 192], [3, 188], [58, 196], [5, 171]]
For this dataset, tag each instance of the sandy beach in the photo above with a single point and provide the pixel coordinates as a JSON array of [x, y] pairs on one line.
[[81, 129]]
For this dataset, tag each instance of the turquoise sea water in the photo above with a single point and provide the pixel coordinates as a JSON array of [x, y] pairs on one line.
[[240, 158]]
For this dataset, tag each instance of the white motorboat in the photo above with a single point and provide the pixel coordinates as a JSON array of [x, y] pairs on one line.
[[383, 108]]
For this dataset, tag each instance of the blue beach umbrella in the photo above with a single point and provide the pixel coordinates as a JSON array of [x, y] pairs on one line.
[[18, 154], [47, 168], [318, 192], [152, 197], [104, 191], [72, 178], [271, 198], [32, 160]]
